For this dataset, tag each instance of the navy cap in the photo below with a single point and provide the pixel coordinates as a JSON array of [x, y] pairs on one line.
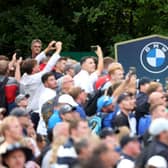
[[126, 139], [123, 96], [66, 109]]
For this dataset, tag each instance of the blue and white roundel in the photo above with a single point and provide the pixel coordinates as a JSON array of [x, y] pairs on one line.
[[155, 57]]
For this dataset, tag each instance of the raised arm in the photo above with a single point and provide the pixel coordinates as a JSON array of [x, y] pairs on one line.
[[52, 61], [17, 69], [100, 65]]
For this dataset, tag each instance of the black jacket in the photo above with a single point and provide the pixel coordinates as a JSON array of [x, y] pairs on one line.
[[155, 148], [121, 120]]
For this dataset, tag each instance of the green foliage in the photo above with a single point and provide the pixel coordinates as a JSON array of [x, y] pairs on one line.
[[26, 24], [80, 24]]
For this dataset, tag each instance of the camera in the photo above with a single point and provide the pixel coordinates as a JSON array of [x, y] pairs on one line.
[[93, 47]]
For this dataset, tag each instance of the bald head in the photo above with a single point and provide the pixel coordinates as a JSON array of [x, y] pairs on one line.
[[157, 98], [61, 129]]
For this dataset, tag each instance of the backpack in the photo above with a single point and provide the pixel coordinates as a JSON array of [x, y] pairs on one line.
[[48, 108], [91, 105], [95, 123], [3, 101]]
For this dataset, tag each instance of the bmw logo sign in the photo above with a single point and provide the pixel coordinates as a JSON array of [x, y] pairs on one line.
[[154, 57]]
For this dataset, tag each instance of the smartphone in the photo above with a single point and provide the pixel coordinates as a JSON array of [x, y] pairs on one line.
[[166, 83], [132, 70], [54, 45], [18, 53], [93, 47]]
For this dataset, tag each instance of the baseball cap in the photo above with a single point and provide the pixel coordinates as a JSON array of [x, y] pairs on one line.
[[123, 96], [157, 161], [66, 98], [66, 108], [103, 101], [157, 126], [19, 112], [126, 139], [108, 131], [143, 81], [21, 97]]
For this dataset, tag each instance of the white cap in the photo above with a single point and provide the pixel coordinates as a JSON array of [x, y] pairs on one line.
[[157, 161], [157, 126], [66, 98]]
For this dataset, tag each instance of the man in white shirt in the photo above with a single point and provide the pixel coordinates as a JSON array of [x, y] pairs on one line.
[[48, 93], [31, 80], [88, 75]]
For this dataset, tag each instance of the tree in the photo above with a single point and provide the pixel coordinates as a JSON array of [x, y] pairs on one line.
[[19, 26]]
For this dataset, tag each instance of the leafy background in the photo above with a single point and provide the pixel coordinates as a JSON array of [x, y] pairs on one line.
[[79, 23]]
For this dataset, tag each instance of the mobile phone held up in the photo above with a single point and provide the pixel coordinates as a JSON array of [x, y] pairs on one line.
[[93, 47], [132, 70], [18, 53], [54, 45]]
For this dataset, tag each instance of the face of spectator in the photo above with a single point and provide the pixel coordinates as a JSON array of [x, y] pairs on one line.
[[65, 129], [36, 69], [133, 101], [15, 130], [61, 65], [83, 129], [16, 159], [126, 104], [108, 160], [68, 83], [160, 112], [51, 82], [23, 103], [111, 141], [30, 129], [109, 108], [135, 147], [89, 65], [144, 87], [160, 98], [118, 75], [160, 89], [71, 72], [24, 121], [36, 48], [83, 97]]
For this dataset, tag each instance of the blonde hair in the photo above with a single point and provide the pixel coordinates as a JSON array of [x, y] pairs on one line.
[[123, 131], [5, 124], [58, 140], [113, 67], [55, 146], [153, 86]]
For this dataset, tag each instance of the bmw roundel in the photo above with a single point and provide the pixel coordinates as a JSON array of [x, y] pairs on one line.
[[154, 57]]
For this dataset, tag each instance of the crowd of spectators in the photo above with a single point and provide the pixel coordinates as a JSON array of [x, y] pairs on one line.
[[45, 121]]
